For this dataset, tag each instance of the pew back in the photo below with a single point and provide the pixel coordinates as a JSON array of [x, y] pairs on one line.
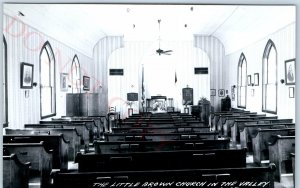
[[15, 173]]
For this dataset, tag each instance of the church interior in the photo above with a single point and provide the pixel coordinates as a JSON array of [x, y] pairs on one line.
[[148, 95]]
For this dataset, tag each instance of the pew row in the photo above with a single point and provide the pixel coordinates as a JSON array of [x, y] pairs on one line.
[[159, 136], [279, 153], [15, 172], [71, 134], [146, 146], [90, 123], [81, 128], [235, 133], [38, 156], [179, 129], [176, 178], [57, 143], [191, 123], [262, 138], [162, 160], [250, 129]]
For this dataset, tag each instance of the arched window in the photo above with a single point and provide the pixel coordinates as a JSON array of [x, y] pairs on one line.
[[5, 100], [75, 74], [269, 79], [47, 80], [242, 82]]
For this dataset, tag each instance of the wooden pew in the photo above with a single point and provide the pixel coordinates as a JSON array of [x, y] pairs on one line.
[[179, 129], [99, 122], [191, 123], [159, 136], [262, 138], [279, 153], [15, 172], [146, 146], [223, 117], [90, 123], [70, 134], [57, 143], [292, 155], [250, 129], [38, 156], [225, 126], [216, 116], [235, 136], [81, 128], [178, 178], [163, 160]]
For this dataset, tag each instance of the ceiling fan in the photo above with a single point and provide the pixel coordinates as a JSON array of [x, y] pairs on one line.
[[159, 50]]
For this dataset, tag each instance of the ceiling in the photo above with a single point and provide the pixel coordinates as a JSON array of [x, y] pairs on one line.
[[81, 26]]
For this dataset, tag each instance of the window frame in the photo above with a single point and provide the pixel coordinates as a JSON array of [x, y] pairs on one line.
[[242, 60], [270, 44], [45, 46], [5, 84], [74, 62]]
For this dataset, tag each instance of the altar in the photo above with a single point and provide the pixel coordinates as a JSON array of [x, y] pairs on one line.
[[156, 104]]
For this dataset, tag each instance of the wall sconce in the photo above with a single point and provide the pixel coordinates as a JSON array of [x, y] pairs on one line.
[[34, 84], [282, 81]]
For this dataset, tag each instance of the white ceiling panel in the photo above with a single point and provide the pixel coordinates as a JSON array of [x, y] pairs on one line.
[[81, 26]]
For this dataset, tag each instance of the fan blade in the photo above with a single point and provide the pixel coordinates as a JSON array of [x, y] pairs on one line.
[[168, 51]]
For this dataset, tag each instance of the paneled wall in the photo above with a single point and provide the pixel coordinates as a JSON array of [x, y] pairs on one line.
[[285, 43], [23, 45], [159, 72], [102, 51], [216, 52]]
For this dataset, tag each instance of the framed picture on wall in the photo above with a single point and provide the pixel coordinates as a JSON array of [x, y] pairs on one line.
[[249, 80], [291, 92], [221, 93], [86, 83], [26, 75], [63, 81], [256, 79], [290, 68], [212, 92]]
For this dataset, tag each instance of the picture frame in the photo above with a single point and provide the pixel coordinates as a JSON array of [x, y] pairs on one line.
[[256, 79], [290, 72], [249, 80], [26, 75], [291, 92], [232, 93], [86, 83], [64, 81], [212, 92], [221, 93]]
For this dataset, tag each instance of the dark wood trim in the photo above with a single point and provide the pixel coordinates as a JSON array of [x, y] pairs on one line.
[[47, 116], [6, 84]]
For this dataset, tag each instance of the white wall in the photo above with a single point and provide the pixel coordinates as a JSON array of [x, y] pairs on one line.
[[23, 45], [285, 42], [159, 72], [216, 53]]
